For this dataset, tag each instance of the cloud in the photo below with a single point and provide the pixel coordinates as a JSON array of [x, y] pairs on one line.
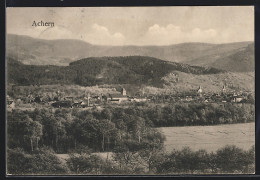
[[168, 30], [171, 34], [102, 36]]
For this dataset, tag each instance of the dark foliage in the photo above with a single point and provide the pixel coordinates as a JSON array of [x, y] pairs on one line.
[[105, 70], [42, 161], [229, 159]]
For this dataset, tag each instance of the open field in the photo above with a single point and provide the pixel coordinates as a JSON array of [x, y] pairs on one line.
[[209, 138]]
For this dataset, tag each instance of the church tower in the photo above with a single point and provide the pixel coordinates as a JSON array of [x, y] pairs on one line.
[[123, 92], [224, 89], [199, 91]]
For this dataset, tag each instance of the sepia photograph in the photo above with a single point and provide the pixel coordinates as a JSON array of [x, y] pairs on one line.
[[166, 90]]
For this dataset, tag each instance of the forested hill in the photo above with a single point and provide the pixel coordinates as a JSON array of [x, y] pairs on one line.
[[241, 61], [238, 60], [103, 70]]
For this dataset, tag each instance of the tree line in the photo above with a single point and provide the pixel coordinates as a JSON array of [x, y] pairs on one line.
[[103, 130], [190, 114], [65, 130], [228, 159]]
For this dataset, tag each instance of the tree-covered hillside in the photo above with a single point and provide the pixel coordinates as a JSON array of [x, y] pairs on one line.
[[104, 70]]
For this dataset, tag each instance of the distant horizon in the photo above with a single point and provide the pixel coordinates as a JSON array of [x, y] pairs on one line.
[[129, 44], [135, 26]]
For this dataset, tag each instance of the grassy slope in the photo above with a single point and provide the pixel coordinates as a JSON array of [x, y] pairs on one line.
[[211, 82]]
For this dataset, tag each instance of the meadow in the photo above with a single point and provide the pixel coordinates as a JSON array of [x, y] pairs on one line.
[[209, 138]]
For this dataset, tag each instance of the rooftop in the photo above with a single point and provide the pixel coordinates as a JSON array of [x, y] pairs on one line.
[[117, 96]]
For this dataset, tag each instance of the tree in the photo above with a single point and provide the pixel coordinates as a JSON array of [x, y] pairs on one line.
[[136, 126], [107, 114], [230, 159], [42, 161], [85, 131], [250, 99], [51, 126], [127, 156], [85, 163], [33, 132], [105, 128], [152, 149], [212, 162], [18, 161], [122, 128]]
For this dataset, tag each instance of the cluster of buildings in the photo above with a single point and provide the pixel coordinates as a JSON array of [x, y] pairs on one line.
[[222, 96], [87, 101], [97, 100], [118, 98]]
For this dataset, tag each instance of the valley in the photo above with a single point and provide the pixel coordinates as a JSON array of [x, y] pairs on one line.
[[142, 110]]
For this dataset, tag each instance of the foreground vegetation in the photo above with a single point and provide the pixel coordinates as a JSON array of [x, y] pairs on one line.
[[229, 159]]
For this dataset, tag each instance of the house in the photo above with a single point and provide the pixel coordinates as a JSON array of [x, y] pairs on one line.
[[64, 104], [188, 98], [139, 99], [118, 98], [103, 98], [96, 97], [69, 98], [237, 99], [77, 104], [10, 102], [117, 101], [85, 102]]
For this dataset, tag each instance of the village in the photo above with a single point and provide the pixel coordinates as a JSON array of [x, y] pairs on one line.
[[89, 100]]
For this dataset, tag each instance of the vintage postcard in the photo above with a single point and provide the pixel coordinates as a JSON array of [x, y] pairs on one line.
[[130, 90]]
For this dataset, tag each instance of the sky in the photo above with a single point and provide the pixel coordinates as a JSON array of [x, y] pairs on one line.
[[136, 25]]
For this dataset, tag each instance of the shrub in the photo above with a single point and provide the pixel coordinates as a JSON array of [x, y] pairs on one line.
[[44, 161]]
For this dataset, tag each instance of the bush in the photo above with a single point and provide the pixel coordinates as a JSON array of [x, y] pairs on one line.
[[44, 162], [232, 159], [229, 159], [85, 164]]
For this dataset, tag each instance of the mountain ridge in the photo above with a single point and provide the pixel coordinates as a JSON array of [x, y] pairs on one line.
[[64, 51]]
